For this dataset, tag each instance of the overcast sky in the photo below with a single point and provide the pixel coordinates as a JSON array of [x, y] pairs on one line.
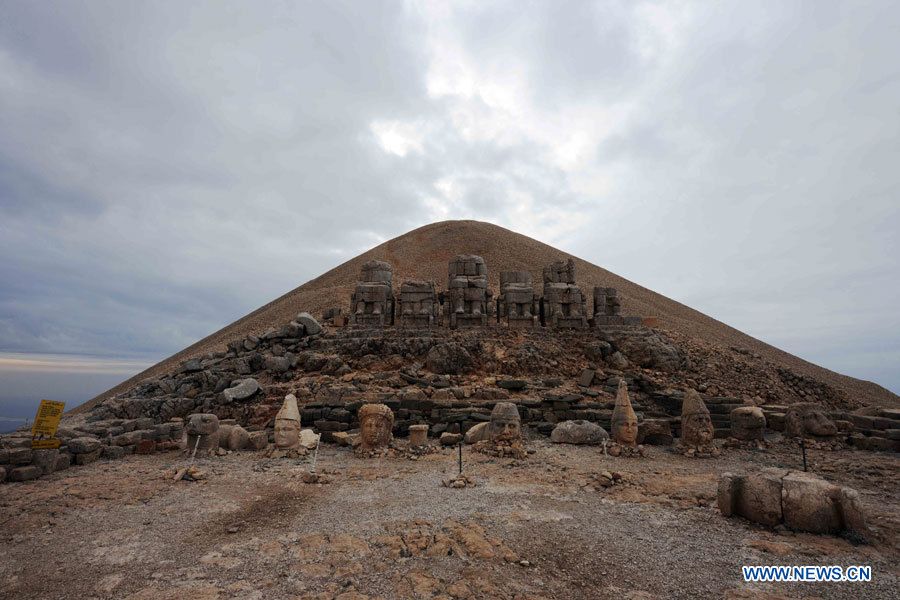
[[166, 167]]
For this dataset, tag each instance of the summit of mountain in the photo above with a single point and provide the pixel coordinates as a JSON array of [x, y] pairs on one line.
[[424, 253]]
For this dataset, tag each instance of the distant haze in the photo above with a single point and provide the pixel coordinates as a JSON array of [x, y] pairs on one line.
[[167, 167]]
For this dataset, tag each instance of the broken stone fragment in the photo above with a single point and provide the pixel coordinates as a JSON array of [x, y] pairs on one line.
[[578, 432], [309, 323], [450, 439], [242, 391]]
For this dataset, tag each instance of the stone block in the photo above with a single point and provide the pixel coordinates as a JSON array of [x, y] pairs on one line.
[[145, 447], [586, 378], [258, 440], [63, 461], [112, 452], [45, 460], [86, 458], [128, 439], [808, 505], [25, 473], [20, 456]]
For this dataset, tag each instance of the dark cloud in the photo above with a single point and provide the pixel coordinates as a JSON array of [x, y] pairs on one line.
[[167, 167]]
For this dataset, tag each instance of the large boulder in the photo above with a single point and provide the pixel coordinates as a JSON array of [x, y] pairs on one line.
[[646, 348], [578, 432], [233, 437], [756, 496], [478, 433], [242, 391], [309, 323], [448, 359], [25, 473], [45, 459], [801, 501], [748, 423], [808, 419]]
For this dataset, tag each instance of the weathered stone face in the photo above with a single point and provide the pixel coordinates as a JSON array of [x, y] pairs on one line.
[[202, 431], [287, 434], [808, 420], [375, 424], [624, 422], [505, 424], [287, 424], [696, 424], [748, 423]]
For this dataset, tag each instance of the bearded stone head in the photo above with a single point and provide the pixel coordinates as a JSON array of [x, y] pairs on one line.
[[696, 424], [376, 421], [505, 425]]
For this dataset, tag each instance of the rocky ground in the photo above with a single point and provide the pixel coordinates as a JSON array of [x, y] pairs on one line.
[[567, 522]]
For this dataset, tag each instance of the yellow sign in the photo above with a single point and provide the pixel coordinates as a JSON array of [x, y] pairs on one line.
[[47, 419], [45, 444]]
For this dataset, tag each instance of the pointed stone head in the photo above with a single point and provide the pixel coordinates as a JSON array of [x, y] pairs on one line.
[[287, 424], [506, 424], [624, 420], [696, 424], [376, 422]]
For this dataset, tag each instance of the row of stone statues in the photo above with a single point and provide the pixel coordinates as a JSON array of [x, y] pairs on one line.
[[469, 302]]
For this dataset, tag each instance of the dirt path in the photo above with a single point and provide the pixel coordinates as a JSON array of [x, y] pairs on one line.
[[539, 528]]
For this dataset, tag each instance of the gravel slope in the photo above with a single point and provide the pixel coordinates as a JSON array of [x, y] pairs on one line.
[[424, 253]]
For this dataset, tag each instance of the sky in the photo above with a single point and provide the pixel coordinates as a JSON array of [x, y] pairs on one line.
[[167, 167]]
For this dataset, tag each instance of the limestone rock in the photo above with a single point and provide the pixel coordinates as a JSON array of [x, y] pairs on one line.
[[112, 452], [233, 437], [25, 473], [801, 501], [45, 460], [258, 440], [448, 359], [806, 419], [309, 323], [242, 391], [478, 433], [86, 458], [748, 423], [83, 445], [309, 439], [578, 432], [450, 439], [617, 360]]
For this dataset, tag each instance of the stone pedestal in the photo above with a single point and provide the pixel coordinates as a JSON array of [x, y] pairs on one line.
[[418, 435]]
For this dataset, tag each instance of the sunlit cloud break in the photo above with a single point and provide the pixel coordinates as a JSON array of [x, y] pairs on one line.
[[62, 363]]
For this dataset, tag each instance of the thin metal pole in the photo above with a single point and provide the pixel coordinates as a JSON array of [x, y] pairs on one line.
[[459, 447]]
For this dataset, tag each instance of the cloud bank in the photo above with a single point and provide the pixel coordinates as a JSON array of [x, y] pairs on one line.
[[166, 167]]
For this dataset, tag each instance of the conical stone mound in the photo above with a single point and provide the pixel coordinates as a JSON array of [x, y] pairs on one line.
[[424, 253]]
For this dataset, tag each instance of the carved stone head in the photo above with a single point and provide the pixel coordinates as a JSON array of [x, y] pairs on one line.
[[696, 424], [505, 425], [376, 421], [287, 424], [624, 420], [808, 419]]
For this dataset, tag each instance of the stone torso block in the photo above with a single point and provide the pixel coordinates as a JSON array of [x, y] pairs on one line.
[[517, 304], [564, 304], [469, 299], [418, 304], [372, 303]]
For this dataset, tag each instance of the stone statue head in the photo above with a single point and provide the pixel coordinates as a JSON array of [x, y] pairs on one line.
[[287, 424], [202, 424], [505, 425], [375, 423], [748, 423], [696, 424], [808, 419], [624, 420]]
